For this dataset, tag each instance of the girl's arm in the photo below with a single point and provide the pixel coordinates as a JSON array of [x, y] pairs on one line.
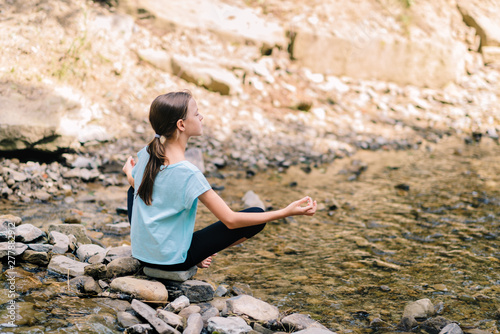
[[127, 169], [241, 219]]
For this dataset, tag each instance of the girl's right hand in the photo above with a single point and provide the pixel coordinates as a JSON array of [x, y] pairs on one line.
[[129, 164], [297, 208]]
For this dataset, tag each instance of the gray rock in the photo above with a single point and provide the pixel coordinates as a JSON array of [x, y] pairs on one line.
[[180, 276], [116, 252], [40, 247], [11, 249], [60, 242], [197, 291], [229, 325], [84, 252], [96, 270], [191, 309], [8, 225], [149, 314], [65, 266], [209, 313], [123, 266], [86, 284], [452, 328], [140, 329], [297, 322], [122, 228], [252, 307], [251, 199], [171, 318], [194, 324], [179, 303], [75, 229], [221, 291], [313, 330], [27, 233], [141, 288], [126, 319]]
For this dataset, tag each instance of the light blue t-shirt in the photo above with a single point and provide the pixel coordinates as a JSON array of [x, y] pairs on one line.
[[161, 233]]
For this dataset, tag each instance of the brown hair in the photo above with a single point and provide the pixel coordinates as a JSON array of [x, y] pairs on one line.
[[164, 113]]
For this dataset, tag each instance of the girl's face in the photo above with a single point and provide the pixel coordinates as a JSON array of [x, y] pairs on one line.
[[193, 120]]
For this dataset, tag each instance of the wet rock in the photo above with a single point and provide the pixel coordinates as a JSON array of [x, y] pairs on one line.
[[27, 233], [421, 309], [194, 324], [209, 313], [186, 312], [126, 319], [75, 229], [435, 325], [221, 291], [195, 291], [297, 322], [11, 249], [86, 284], [60, 242], [123, 266], [140, 329], [24, 280], [84, 252], [171, 318], [313, 330], [65, 266], [38, 258], [117, 252], [122, 228], [452, 328], [252, 307], [239, 289], [41, 247], [140, 288], [229, 325], [179, 303], [179, 276], [8, 225], [149, 314], [26, 314], [251, 199]]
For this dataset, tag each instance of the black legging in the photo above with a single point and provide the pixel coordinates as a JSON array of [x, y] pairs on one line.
[[206, 241]]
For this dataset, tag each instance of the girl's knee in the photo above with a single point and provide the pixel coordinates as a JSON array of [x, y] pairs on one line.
[[253, 209]]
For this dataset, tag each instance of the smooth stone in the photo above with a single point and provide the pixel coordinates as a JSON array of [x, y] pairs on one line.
[[171, 318], [252, 307], [84, 252], [65, 266], [40, 247], [141, 288], [38, 258], [229, 325], [116, 252], [452, 328], [297, 321], [194, 324], [77, 230], [180, 276], [11, 249], [27, 233], [148, 313], [60, 242], [179, 303], [126, 319], [123, 266]]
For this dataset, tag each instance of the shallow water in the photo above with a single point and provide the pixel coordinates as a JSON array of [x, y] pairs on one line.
[[393, 227]]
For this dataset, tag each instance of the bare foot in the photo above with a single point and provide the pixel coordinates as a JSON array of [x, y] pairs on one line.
[[205, 263]]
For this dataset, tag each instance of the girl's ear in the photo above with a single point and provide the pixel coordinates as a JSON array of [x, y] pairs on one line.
[[180, 125]]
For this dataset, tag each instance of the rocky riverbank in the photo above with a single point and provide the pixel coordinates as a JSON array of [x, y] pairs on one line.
[[43, 267]]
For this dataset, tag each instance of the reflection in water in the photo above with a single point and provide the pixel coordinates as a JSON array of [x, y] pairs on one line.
[[393, 227]]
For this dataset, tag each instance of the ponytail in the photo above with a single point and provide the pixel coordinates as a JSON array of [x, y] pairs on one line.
[[157, 157], [164, 113]]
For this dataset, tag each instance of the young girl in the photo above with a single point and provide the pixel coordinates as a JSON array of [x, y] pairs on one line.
[[167, 193]]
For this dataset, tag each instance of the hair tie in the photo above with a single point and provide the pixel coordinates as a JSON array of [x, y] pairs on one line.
[[157, 136]]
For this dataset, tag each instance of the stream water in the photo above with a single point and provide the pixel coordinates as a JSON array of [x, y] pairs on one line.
[[393, 227]]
